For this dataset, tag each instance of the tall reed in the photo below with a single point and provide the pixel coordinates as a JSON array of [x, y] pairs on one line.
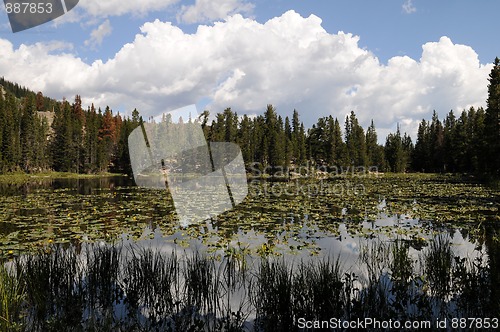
[[112, 288], [12, 296]]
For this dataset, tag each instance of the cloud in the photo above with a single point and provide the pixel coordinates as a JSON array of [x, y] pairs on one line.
[[98, 34], [74, 15], [121, 7], [210, 10], [202, 11], [408, 7], [5, 27], [88, 12], [289, 61], [41, 70]]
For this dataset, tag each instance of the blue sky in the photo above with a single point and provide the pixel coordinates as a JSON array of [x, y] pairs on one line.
[[395, 62]]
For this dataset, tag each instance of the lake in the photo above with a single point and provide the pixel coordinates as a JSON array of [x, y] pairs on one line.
[[365, 224], [312, 217]]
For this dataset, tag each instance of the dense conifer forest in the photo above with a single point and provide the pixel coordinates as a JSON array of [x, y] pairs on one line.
[[38, 133]]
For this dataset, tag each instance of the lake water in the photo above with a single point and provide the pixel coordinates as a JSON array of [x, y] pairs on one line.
[[359, 227], [297, 226]]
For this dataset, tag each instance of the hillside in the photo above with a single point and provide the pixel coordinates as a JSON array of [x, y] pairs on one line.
[[43, 103]]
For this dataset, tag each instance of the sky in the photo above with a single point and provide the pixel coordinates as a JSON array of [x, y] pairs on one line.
[[390, 61]]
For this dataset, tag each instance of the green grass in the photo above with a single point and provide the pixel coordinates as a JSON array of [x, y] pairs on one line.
[[20, 177]]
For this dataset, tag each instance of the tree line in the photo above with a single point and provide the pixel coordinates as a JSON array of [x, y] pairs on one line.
[[38, 133]]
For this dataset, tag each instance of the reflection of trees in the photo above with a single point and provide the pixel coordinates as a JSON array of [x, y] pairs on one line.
[[493, 249], [118, 284]]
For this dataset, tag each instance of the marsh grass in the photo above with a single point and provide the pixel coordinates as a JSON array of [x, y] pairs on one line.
[[54, 289], [115, 288], [273, 296], [100, 279], [150, 280], [438, 265], [12, 296]]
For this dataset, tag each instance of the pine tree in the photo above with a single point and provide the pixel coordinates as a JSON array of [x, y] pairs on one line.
[[273, 142], [450, 152], [93, 141], [394, 152], [299, 153], [421, 156], [462, 144], [317, 142], [64, 146], [107, 139], [280, 142], [78, 123], [492, 121], [245, 139], [28, 134], [218, 131], [230, 125], [121, 162], [90, 145], [301, 141], [436, 144], [340, 149], [10, 143], [398, 151], [288, 142], [355, 141], [259, 141], [331, 143], [478, 145], [374, 152], [136, 118], [408, 151]]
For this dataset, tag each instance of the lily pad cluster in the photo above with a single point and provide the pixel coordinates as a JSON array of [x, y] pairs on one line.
[[275, 218]]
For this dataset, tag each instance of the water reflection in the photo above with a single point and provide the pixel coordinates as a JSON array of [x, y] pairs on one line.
[[80, 186], [105, 208]]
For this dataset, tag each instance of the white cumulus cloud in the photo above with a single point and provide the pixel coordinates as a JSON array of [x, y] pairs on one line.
[[289, 61], [210, 10]]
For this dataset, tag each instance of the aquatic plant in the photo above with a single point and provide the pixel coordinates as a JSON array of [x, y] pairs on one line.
[[36, 214], [12, 297], [101, 287]]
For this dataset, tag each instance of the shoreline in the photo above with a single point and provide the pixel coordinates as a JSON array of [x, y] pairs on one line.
[[19, 177]]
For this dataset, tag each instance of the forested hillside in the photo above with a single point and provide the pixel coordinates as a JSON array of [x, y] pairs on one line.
[[41, 134], [38, 133]]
